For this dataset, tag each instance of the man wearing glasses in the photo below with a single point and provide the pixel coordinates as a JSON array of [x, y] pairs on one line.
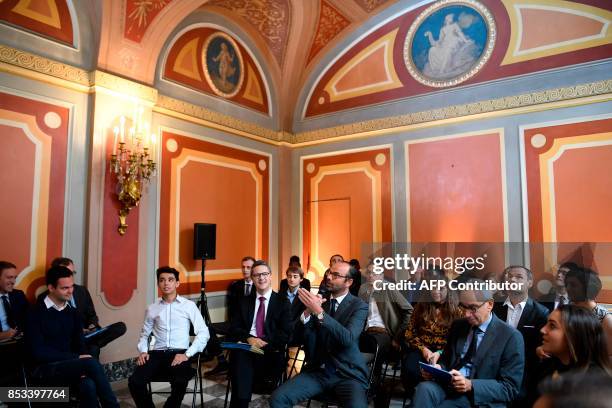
[[484, 355], [332, 329], [263, 321]]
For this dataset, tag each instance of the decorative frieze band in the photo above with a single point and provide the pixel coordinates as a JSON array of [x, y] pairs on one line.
[[61, 71]]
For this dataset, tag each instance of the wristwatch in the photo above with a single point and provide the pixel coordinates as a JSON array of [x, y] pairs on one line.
[[320, 315]]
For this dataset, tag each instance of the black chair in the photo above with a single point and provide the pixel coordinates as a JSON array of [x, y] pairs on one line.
[[197, 385], [369, 351], [279, 381], [292, 360]]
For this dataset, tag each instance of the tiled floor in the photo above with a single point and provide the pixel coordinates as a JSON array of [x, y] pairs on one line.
[[214, 393]]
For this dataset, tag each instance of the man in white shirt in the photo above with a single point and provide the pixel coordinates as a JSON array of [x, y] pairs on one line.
[[169, 320], [528, 317]]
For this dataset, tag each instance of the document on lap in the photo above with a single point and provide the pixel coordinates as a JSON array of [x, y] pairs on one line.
[[241, 346], [441, 376]]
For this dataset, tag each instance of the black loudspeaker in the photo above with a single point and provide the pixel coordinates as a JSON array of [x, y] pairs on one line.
[[204, 240]]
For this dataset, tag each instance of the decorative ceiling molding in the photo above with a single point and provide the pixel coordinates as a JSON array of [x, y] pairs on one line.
[[39, 68], [369, 5], [501, 106], [331, 23], [189, 111], [43, 65], [271, 18]]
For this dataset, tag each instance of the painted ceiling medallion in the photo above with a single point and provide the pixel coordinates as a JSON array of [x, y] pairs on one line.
[[449, 42], [223, 65]]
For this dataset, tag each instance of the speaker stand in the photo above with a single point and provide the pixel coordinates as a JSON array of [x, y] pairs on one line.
[[213, 347]]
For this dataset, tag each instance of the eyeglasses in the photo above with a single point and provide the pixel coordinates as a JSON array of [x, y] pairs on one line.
[[260, 275], [471, 308], [335, 275]]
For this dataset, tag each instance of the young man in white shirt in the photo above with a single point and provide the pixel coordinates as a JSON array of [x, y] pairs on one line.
[[168, 319]]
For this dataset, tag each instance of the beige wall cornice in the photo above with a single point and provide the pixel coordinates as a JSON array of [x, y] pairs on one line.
[[42, 69]]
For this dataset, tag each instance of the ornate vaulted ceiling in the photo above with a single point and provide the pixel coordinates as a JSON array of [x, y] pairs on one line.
[[289, 35], [303, 59]]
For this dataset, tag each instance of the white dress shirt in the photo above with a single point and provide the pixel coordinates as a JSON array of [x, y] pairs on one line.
[[169, 323], [374, 317], [51, 304], [514, 312], [561, 300], [253, 331]]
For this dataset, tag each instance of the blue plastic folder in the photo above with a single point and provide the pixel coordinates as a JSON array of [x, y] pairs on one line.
[[439, 375], [96, 332]]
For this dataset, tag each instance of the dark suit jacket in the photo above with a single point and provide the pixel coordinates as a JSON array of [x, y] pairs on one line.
[[497, 366], [548, 300], [84, 305], [277, 326], [235, 292], [304, 284], [19, 307], [296, 308], [337, 338], [532, 319]]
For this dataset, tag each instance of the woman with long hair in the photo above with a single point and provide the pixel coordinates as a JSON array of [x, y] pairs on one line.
[[575, 338], [428, 328]]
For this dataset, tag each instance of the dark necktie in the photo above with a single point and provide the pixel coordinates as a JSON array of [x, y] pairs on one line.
[[467, 358], [260, 318], [247, 289], [9, 312], [332, 307]]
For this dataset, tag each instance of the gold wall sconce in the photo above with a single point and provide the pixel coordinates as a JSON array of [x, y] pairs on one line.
[[132, 163]]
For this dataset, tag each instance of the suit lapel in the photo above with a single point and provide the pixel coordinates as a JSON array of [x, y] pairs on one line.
[[487, 342], [343, 307], [271, 308], [250, 310], [526, 315]]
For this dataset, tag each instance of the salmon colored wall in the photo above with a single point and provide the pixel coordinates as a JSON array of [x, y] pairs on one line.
[[17, 183], [48, 125], [569, 189], [456, 190], [212, 183], [352, 194], [583, 192], [119, 273], [226, 199]]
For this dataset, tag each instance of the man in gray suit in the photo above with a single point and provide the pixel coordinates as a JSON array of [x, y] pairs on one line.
[[484, 355], [332, 329]]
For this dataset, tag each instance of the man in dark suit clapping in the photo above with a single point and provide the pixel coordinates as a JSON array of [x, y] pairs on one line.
[[485, 356], [262, 320], [332, 328]]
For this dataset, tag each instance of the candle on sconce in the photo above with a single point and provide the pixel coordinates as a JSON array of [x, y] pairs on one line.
[[122, 123], [116, 133]]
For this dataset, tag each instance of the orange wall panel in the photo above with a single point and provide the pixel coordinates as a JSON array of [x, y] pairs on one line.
[[456, 190], [46, 125], [346, 204], [212, 183], [583, 192], [17, 154], [227, 200]]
